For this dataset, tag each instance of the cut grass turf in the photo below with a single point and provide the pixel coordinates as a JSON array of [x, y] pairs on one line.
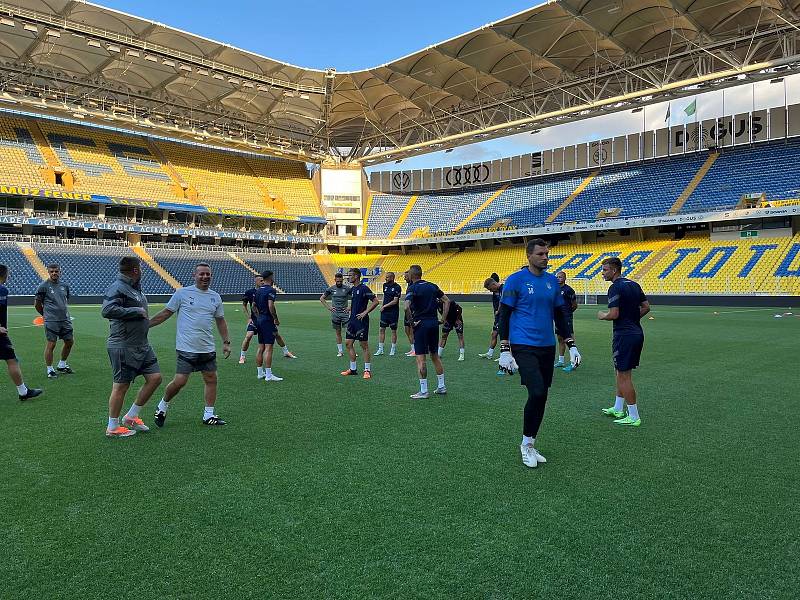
[[330, 487]]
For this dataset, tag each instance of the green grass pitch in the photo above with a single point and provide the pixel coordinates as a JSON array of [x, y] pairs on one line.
[[330, 487]]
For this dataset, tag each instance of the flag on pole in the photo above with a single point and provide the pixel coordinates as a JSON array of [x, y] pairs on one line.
[[666, 119], [691, 109]]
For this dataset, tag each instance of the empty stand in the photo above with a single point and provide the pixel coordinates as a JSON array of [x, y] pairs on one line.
[[293, 274], [23, 279]]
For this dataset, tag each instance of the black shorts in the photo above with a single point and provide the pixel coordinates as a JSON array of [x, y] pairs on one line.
[[389, 319], [191, 362], [426, 337], [251, 328], [127, 363], [496, 326], [626, 350], [535, 366], [568, 318], [358, 329], [60, 330], [407, 323], [266, 331], [458, 326], [7, 348]]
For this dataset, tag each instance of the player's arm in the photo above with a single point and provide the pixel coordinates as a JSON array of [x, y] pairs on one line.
[[644, 308], [371, 307], [395, 302], [222, 327], [246, 309], [324, 300], [445, 307], [160, 317], [38, 303], [272, 311], [113, 309], [612, 314]]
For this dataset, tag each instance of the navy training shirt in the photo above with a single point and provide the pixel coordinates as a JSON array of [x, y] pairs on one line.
[[390, 292], [261, 301], [626, 295], [360, 297], [249, 298], [3, 306], [533, 299], [568, 294], [453, 313], [496, 297], [422, 296]]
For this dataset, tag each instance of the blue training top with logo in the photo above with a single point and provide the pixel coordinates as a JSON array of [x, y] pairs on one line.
[[360, 297], [533, 299], [626, 295], [422, 296], [249, 298], [263, 295], [390, 292]]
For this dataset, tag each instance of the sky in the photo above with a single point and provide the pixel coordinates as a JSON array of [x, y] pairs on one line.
[[357, 34]]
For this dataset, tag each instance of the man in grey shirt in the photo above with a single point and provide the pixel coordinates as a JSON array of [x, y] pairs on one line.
[[129, 350], [52, 299], [340, 313], [198, 307]]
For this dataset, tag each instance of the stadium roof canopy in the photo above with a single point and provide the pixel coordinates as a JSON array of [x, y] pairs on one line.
[[556, 62]]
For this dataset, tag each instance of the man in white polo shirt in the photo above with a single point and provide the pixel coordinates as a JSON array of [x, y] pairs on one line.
[[198, 307]]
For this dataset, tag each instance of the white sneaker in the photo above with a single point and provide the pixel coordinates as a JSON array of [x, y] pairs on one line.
[[486, 355], [339, 354], [539, 458], [392, 352], [460, 358], [379, 353], [272, 378], [528, 455], [441, 391], [420, 396]]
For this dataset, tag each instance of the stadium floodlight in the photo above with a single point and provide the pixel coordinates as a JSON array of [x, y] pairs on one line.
[[93, 43], [29, 27], [113, 48], [7, 22], [53, 33]]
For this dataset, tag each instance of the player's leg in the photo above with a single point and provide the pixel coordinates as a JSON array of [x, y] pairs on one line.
[[393, 349], [381, 339], [260, 360], [246, 344], [49, 349], [443, 341], [410, 335], [432, 342], [144, 363], [268, 374], [460, 334], [115, 401], [350, 338], [67, 336], [176, 385], [14, 371], [367, 358], [422, 371], [628, 391], [492, 344], [618, 410], [283, 346], [337, 327], [536, 374], [210, 398], [562, 348]]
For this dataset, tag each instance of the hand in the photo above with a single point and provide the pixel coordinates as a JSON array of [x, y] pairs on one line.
[[3, 331], [330, 309], [276, 322], [382, 307], [361, 315], [601, 314], [143, 311], [226, 349], [575, 357], [507, 362]]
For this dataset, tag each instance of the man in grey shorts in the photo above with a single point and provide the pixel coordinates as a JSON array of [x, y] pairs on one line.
[[340, 313], [52, 299], [129, 351], [198, 307]]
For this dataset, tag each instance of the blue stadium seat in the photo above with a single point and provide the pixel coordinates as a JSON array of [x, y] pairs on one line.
[[23, 279]]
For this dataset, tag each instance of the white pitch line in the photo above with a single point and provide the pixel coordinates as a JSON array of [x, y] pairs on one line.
[[720, 312]]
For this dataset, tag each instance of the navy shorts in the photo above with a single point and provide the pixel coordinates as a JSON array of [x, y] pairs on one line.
[[458, 326], [407, 323], [389, 319], [568, 317], [496, 326], [6, 348], [626, 351], [358, 329], [251, 328], [426, 338], [266, 331]]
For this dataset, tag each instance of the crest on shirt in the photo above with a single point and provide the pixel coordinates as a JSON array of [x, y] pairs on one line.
[[530, 288], [549, 287]]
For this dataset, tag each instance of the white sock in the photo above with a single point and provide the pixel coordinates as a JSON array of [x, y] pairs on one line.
[[260, 372], [423, 386], [113, 423], [62, 364], [208, 412], [440, 380], [133, 412], [394, 348], [366, 366], [50, 368], [440, 351], [490, 352], [353, 365], [380, 347], [528, 440], [22, 389], [561, 358], [284, 349], [163, 406], [243, 354], [339, 347], [267, 372], [619, 403], [633, 412], [461, 352]]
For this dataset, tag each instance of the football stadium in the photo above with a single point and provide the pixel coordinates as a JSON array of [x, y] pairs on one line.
[[172, 205]]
